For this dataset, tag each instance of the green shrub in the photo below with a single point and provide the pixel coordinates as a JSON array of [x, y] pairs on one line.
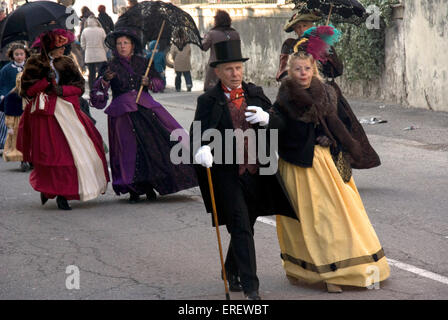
[[362, 50]]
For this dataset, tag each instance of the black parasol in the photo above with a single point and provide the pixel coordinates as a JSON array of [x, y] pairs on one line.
[[180, 28], [33, 18], [340, 11], [164, 22], [147, 16]]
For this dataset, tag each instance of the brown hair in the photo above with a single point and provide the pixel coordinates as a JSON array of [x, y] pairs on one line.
[[16, 46], [222, 19], [85, 11]]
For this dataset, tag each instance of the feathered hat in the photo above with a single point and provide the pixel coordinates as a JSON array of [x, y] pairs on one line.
[[317, 41], [53, 39], [302, 14]]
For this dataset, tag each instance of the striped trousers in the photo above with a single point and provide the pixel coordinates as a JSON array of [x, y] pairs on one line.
[[3, 130]]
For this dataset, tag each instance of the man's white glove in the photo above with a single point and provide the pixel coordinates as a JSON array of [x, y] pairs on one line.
[[204, 156], [257, 115]]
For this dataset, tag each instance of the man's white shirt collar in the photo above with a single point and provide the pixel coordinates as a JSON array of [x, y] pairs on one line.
[[228, 94]]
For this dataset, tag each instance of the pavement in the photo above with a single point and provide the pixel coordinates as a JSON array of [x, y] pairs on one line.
[[167, 249]]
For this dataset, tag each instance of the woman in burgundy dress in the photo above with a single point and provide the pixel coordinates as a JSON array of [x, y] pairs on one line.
[[54, 134], [139, 134]]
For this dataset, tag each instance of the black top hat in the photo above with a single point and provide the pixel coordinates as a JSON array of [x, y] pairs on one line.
[[227, 51]]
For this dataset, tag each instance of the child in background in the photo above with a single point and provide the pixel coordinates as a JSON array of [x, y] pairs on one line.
[[159, 61], [11, 103]]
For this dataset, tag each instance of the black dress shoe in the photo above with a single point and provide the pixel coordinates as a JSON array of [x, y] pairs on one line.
[[43, 199], [253, 295], [151, 195], [234, 282], [134, 197], [62, 203]]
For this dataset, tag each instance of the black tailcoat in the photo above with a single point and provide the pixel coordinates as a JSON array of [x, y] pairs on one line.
[[213, 112]]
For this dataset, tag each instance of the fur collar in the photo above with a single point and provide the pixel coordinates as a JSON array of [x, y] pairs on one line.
[[304, 104]]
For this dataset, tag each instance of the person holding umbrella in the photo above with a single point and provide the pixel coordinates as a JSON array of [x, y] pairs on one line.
[[299, 23], [242, 193], [139, 133], [54, 134]]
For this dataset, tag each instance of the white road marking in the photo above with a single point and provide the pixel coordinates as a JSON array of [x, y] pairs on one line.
[[418, 271], [392, 262]]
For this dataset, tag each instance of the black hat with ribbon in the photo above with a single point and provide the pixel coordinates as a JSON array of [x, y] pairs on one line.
[[227, 51], [133, 33]]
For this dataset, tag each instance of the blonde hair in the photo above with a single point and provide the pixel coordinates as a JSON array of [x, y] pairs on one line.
[[302, 55]]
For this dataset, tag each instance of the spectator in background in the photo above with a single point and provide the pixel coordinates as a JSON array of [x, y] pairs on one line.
[[74, 49], [105, 20], [85, 14], [66, 3], [92, 42], [132, 3], [3, 52], [181, 61], [11, 102], [122, 11], [159, 61], [222, 31], [3, 61]]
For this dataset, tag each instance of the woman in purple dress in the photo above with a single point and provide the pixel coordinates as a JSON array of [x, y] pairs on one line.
[[139, 134]]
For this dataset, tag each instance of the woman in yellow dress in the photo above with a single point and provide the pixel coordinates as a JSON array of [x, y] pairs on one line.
[[333, 240]]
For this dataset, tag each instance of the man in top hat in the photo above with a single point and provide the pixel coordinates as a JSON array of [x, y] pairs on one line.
[[241, 192], [299, 23]]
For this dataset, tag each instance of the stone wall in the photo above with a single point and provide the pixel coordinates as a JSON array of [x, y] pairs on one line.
[[425, 28], [261, 32], [416, 66]]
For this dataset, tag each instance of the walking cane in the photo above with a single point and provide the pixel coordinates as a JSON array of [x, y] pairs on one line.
[[215, 218], [150, 61]]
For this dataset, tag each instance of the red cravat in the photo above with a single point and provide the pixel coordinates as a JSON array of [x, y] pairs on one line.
[[236, 95]]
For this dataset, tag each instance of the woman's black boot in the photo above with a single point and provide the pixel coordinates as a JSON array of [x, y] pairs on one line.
[[134, 198], [151, 195], [43, 199], [62, 203], [24, 166]]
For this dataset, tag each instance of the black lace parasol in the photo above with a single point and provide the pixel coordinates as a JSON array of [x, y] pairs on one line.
[[180, 28], [338, 11]]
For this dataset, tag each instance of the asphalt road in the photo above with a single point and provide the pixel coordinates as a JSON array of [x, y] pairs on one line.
[[167, 249]]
